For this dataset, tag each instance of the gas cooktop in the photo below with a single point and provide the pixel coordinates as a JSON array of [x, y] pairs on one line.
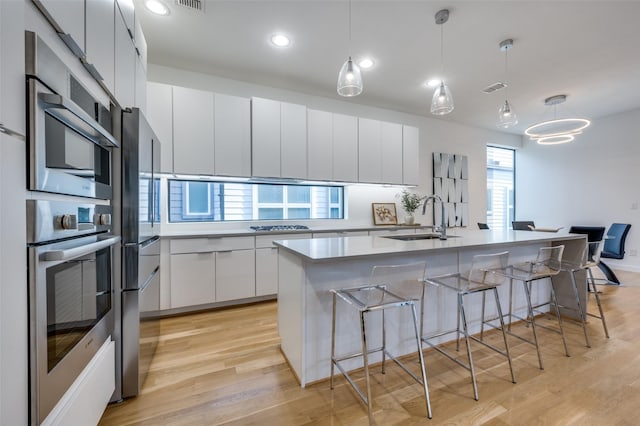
[[279, 227]]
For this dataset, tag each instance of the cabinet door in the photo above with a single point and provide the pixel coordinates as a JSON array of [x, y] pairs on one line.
[[69, 15], [193, 151], [140, 100], [345, 148], [125, 65], [141, 44], [232, 139], [160, 116], [391, 138], [235, 275], [265, 137], [266, 271], [12, 98], [319, 145], [293, 141], [127, 9], [100, 38], [410, 155], [192, 279], [369, 151]]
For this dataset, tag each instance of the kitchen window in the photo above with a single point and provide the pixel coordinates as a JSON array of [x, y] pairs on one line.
[[211, 201], [500, 187]]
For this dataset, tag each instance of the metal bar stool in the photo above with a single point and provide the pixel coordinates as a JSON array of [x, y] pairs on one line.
[[394, 286], [546, 265], [590, 259], [487, 273]]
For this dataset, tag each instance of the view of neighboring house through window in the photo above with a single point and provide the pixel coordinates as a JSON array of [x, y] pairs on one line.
[[500, 187], [203, 201]]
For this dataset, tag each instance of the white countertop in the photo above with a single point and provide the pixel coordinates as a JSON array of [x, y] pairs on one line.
[[341, 248], [239, 232]]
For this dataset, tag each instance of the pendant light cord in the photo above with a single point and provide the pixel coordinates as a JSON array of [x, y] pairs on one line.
[[506, 75], [349, 28], [442, 51]]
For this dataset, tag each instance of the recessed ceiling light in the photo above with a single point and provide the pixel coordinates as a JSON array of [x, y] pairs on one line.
[[280, 40], [366, 63], [157, 7], [433, 82]]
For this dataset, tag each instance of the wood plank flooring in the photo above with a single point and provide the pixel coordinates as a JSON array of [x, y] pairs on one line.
[[225, 367]]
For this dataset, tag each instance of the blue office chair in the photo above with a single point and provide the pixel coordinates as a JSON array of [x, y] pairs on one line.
[[614, 249]]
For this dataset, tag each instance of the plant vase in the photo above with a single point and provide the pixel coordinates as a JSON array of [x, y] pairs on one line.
[[409, 219]]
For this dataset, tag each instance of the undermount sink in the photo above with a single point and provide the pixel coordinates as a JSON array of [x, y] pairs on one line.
[[418, 237]]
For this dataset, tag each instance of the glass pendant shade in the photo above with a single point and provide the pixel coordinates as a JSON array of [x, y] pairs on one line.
[[442, 101], [349, 79], [507, 116]]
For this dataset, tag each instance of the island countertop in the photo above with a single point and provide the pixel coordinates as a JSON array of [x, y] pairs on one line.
[[342, 248]]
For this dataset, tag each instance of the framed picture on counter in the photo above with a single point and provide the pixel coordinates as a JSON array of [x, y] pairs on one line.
[[384, 214]]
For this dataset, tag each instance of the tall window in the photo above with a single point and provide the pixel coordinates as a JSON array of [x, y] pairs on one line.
[[500, 187], [202, 201]]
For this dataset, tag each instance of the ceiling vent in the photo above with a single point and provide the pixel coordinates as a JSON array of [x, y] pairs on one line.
[[195, 5], [494, 87]]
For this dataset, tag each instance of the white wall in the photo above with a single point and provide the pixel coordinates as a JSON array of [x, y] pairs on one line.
[[591, 181], [435, 136]]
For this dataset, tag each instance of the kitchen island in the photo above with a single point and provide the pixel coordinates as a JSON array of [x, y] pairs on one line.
[[309, 268]]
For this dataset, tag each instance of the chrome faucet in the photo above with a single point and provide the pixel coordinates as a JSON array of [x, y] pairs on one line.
[[443, 224]]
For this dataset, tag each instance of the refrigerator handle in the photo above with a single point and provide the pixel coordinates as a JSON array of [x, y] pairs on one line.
[[153, 187]]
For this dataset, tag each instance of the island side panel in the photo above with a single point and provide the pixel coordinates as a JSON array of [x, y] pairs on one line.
[[291, 287]]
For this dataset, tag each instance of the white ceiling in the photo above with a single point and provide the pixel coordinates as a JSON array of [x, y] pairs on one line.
[[588, 50]]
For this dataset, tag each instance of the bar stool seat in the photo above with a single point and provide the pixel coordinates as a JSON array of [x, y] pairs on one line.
[[486, 274], [390, 287], [546, 265], [590, 259]]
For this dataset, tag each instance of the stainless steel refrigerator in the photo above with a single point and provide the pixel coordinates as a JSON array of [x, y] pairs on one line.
[[140, 207]]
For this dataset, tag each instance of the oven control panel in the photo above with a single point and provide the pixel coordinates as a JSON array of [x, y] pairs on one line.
[[54, 220]]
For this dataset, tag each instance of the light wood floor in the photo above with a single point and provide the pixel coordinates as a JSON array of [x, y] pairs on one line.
[[225, 367]]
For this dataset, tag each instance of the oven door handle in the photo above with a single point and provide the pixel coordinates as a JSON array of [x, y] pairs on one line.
[[69, 113], [54, 255]]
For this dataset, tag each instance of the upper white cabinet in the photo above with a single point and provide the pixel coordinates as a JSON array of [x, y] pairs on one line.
[[319, 145], [410, 155], [232, 140], [379, 151], [193, 131], [100, 39], [140, 99], [141, 44], [391, 144], [125, 64], [369, 151], [345, 148], [160, 116], [278, 139], [69, 16]]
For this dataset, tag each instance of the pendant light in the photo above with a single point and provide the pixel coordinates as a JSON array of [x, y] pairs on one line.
[[349, 77], [558, 130], [506, 115], [442, 100]]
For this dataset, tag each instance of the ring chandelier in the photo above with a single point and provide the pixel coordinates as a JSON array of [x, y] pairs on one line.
[[557, 131]]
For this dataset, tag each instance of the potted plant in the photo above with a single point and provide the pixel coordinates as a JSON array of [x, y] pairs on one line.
[[410, 203]]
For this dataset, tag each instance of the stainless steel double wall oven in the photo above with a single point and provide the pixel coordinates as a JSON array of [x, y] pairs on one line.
[[70, 241]]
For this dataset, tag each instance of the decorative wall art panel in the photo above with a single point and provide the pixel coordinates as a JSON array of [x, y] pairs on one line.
[[450, 182]]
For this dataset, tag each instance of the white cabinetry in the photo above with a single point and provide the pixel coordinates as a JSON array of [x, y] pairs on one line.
[[232, 139], [127, 9], [140, 98], [69, 16], [319, 145], [100, 39], [160, 116], [192, 279], [235, 274], [391, 140], [410, 155], [125, 63], [379, 151], [369, 151], [278, 139], [345, 148], [12, 98], [267, 262], [193, 131]]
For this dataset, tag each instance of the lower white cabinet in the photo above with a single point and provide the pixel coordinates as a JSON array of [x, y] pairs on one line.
[[235, 275], [266, 271], [193, 279]]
